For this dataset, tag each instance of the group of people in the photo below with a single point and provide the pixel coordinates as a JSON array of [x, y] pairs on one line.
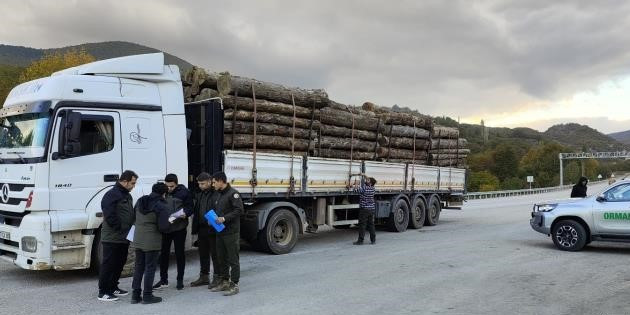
[[159, 220]]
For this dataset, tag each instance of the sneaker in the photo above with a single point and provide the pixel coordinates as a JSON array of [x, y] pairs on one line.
[[120, 292], [215, 282], [136, 297], [372, 242], [107, 297], [160, 285], [151, 299], [358, 243], [223, 286], [203, 280], [180, 285], [232, 290]]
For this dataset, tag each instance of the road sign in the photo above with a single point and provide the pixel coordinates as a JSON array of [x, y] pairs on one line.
[[530, 179]]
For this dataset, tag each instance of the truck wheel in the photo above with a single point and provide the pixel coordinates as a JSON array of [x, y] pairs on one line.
[[280, 234], [569, 235], [97, 253], [399, 217], [433, 213], [418, 213]]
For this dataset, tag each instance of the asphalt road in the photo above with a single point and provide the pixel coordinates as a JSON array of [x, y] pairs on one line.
[[482, 260]]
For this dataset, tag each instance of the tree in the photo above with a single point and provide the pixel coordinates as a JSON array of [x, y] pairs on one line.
[[542, 162], [483, 181], [53, 62], [505, 162], [513, 183], [9, 78]]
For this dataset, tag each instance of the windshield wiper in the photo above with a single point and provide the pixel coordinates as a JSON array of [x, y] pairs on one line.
[[20, 156]]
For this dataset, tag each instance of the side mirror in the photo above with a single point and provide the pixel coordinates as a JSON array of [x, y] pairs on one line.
[[69, 144], [600, 198]]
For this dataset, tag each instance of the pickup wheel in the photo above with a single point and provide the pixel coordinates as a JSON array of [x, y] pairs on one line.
[[97, 253], [418, 213], [433, 213], [280, 234], [569, 235], [399, 217]]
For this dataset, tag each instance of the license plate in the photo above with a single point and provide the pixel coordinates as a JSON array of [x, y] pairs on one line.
[[5, 235]]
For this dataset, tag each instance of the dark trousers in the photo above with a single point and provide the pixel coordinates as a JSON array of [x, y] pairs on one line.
[[366, 218], [146, 264], [179, 239], [114, 258], [228, 248], [207, 243]]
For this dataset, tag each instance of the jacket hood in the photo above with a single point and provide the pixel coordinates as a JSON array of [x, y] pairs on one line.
[[582, 180], [180, 192], [147, 204]]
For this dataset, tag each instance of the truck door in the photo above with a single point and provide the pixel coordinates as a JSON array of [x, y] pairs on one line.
[[611, 211], [90, 161]]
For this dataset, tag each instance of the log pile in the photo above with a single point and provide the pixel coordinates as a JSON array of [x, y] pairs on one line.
[[306, 122]]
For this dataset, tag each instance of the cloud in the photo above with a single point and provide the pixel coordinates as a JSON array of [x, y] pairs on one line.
[[457, 58]]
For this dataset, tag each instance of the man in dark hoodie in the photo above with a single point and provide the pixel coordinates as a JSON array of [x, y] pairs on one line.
[[178, 197], [119, 216], [206, 235], [229, 207], [152, 213], [579, 189]]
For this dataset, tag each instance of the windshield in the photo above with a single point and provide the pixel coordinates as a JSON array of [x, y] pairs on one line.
[[24, 130]]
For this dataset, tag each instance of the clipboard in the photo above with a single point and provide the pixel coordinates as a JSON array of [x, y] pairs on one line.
[[211, 216]]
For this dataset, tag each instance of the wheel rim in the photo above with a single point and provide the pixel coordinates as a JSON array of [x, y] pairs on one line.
[[418, 214], [567, 236], [400, 215], [433, 211], [282, 232]]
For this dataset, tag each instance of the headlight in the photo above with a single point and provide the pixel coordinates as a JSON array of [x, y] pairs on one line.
[[29, 244], [547, 207]]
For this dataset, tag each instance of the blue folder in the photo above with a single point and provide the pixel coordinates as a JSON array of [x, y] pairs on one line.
[[211, 216]]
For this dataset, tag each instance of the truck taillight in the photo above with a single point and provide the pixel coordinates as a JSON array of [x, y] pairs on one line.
[[29, 200]]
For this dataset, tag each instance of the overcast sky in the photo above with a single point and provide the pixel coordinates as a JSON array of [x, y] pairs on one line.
[[512, 63]]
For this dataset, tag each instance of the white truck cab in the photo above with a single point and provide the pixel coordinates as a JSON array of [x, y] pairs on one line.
[[575, 222], [65, 139]]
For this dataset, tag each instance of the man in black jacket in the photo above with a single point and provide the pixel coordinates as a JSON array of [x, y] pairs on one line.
[[579, 189], [179, 198], [229, 207], [119, 216], [206, 235]]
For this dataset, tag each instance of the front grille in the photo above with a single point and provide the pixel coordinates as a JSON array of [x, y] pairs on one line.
[[10, 243], [12, 218]]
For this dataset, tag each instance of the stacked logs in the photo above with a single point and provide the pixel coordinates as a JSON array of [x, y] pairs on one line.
[[306, 122]]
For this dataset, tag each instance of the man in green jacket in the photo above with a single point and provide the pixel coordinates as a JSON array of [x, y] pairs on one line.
[[152, 214], [229, 207], [206, 235], [118, 217]]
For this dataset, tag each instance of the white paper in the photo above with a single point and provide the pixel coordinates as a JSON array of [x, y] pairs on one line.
[[176, 215], [131, 233]]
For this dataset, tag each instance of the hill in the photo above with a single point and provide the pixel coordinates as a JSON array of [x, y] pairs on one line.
[[23, 56], [576, 136], [622, 136]]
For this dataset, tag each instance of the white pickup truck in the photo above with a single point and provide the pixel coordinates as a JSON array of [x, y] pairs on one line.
[[65, 138], [574, 223]]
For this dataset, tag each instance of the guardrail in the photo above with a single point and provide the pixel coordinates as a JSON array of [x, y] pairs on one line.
[[517, 192]]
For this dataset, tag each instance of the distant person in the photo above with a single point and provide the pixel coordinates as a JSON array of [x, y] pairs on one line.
[[579, 189], [179, 199], [367, 209], [206, 235], [229, 206], [152, 219], [118, 217]]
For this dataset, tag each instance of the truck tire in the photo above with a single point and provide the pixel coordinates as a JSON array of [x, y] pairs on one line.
[[280, 233], [433, 211], [399, 216], [418, 213], [569, 235], [97, 253]]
